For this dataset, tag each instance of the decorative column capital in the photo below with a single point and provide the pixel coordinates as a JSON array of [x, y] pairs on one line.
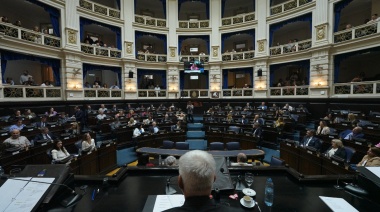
[[215, 51], [320, 31], [128, 47], [172, 51], [261, 45]]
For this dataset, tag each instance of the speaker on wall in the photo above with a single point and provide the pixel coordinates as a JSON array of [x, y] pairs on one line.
[[130, 74], [260, 72]]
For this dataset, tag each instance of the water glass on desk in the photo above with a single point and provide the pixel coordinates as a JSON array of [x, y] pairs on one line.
[[249, 179]]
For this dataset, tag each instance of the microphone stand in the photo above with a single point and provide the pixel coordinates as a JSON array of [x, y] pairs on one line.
[[169, 190]]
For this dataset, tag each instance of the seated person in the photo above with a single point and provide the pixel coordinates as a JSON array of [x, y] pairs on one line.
[[132, 122], [336, 149], [101, 116], [310, 140], [103, 108], [45, 135], [356, 133], [154, 128], [243, 120], [59, 152], [279, 124], [74, 128], [51, 112], [241, 160], [42, 122], [229, 118], [372, 158], [262, 106], [29, 114], [181, 116], [138, 131], [258, 120], [18, 126], [166, 119], [115, 125], [16, 140], [170, 161], [323, 129], [88, 143], [176, 126], [257, 131], [62, 119], [247, 106]]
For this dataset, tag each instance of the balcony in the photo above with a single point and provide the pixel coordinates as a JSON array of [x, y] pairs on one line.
[[292, 47], [290, 91], [187, 58], [98, 8], [230, 56], [357, 88], [195, 93], [150, 21], [13, 31], [237, 93], [31, 93], [152, 93], [241, 18], [357, 32], [102, 93], [287, 6], [194, 24], [152, 57], [100, 51]]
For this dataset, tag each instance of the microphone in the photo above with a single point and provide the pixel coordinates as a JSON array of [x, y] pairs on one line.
[[169, 190], [71, 200], [337, 186]]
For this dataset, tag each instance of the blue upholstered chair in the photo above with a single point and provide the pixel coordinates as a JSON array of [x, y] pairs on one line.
[[233, 146], [234, 129], [349, 153], [182, 145], [166, 144], [216, 146], [275, 161]]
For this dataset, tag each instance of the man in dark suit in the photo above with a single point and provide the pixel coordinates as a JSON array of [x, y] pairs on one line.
[[45, 135], [79, 116], [243, 120], [42, 123], [310, 140], [257, 131], [153, 129]]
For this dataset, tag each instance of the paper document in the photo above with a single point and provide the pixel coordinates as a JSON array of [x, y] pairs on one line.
[[164, 202], [22, 195], [374, 170], [338, 204]]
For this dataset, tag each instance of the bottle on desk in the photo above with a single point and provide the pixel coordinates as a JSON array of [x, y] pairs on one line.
[[269, 192]]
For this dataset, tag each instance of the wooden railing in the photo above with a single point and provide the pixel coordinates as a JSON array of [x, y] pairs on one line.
[[369, 87], [29, 35], [151, 21], [194, 24], [202, 58], [291, 47], [237, 93], [102, 93], [101, 51], [289, 91], [152, 57], [195, 93], [287, 6], [149, 93], [230, 56], [19, 92], [357, 32], [98, 8], [241, 18]]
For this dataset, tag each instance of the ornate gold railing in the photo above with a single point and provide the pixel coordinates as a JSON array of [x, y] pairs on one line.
[[369, 87], [101, 51], [148, 93], [289, 91], [152, 57], [241, 18], [194, 24], [202, 58], [237, 93], [292, 47], [98, 8], [276, 9], [195, 93], [102, 93], [246, 55], [151, 21], [29, 35], [31, 92], [357, 32]]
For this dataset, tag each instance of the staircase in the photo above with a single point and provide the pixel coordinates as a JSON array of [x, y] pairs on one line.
[[196, 135]]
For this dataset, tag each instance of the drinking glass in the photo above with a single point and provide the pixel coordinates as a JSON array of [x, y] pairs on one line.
[[249, 179]]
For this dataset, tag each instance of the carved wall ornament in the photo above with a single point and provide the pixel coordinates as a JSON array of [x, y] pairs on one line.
[[172, 51], [129, 47], [72, 36], [321, 32], [261, 45], [215, 51]]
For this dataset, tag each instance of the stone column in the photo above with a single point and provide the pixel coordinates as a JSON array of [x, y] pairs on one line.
[[215, 18], [129, 34], [215, 80], [321, 33], [72, 77], [321, 72], [261, 14], [261, 84], [130, 84], [172, 22], [173, 81], [70, 24]]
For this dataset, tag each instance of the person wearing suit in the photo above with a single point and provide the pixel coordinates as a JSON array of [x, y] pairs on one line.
[[258, 120], [80, 117], [153, 129], [45, 135], [176, 126], [42, 123], [336, 149], [262, 106], [356, 133], [310, 140], [257, 131], [243, 120]]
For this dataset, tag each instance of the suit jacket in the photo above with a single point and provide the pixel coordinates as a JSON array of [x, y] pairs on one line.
[[40, 136], [79, 116], [314, 142], [257, 132], [340, 152], [375, 161], [243, 121], [39, 124]]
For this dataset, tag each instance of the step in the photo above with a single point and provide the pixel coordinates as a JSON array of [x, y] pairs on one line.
[[196, 134], [199, 144]]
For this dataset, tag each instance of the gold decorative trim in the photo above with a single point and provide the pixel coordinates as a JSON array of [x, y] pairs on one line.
[[215, 51], [261, 45], [72, 36], [320, 32], [172, 51], [128, 48]]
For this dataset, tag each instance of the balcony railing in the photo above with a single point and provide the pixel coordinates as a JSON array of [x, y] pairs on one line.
[[357, 32], [290, 91], [195, 93], [237, 93], [151, 21], [98, 8], [152, 57], [230, 56], [194, 24], [101, 51], [188, 58], [31, 92], [102, 93], [29, 35], [287, 6], [149, 93], [369, 87], [241, 18], [291, 47]]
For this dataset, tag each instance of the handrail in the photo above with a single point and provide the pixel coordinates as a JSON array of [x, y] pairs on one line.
[[291, 47], [152, 57], [99, 8], [244, 55], [289, 91], [102, 93], [237, 92], [151, 93], [193, 93], [102, 51], [366, 87], [194, 24], [357, 32], [202, 58], [148, 20], [31, 92], [279, 8], [237, 19]]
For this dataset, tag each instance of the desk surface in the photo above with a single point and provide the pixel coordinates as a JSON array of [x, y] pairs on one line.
[[289, 194], [177, 152]]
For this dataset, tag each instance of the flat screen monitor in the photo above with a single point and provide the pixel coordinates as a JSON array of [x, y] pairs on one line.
[[193, 67]]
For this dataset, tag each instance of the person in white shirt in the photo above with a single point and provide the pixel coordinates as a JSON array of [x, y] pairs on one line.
[[138, 131], [25, 77], [59, 152], [101, 115], [16, 140], [241, 160], [103, 108], [374, 19], [88, 143], [18, 126], [157, 88]]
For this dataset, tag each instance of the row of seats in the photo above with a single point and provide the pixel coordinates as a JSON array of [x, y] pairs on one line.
[[213, 146]]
